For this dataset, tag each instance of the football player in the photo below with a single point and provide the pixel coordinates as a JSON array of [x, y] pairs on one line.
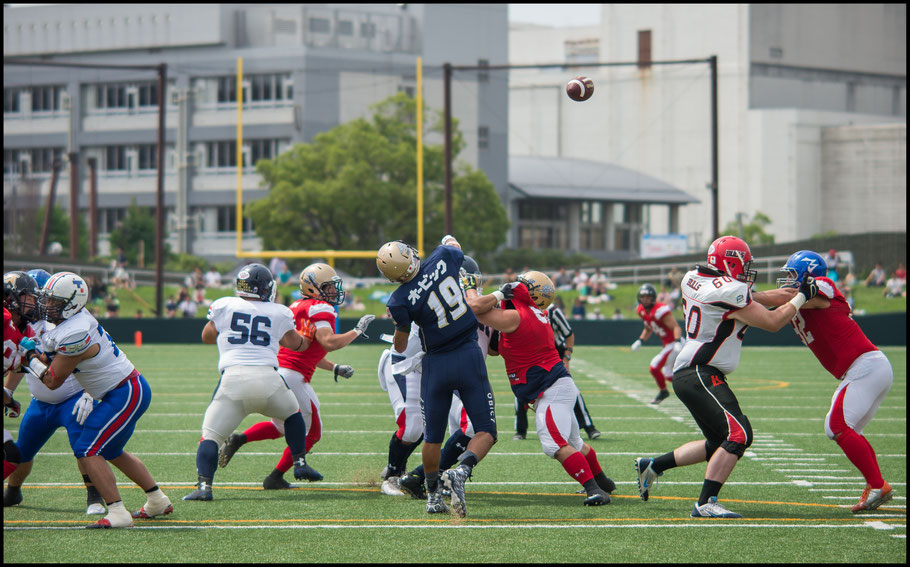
[[538, 376], [658, 319], [825, 324], [249, 329], [565, 346], [77, 344], [718, 307], [67, 406], [11, 408], [322, 290], [429, 295]]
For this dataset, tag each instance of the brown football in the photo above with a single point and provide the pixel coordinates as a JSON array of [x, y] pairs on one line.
[[580, 89]]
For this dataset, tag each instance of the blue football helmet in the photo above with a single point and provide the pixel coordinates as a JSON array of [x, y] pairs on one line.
[[40, 276], [800, 263]]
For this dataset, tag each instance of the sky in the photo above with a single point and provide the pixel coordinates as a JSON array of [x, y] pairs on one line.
[[556, 14]]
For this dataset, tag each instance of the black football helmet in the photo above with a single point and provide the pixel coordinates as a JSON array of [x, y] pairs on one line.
[[20, 295], [647, 295], [470, 266], [255, 281]]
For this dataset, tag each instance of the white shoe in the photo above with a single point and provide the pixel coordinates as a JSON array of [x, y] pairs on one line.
[[711, 509], [390, 487], [96, 508]]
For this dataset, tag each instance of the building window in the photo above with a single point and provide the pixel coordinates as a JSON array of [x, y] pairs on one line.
[[227, 220], [483, 137], [148, 156], [108, 219], [483, 76], [367, 30], [221, 154], [46, 99], [126, 95], [43, 159], [345, 27], [115, 158], [542, 210], [320, 25], [263, 149], [644, 48], [11, 101], [227, 89]]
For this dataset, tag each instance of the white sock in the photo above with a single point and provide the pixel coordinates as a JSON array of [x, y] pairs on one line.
[[118, 516]]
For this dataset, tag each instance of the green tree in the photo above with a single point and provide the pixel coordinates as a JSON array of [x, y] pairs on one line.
[[355, 187], [59, 230], [138, 225], [754, 232]]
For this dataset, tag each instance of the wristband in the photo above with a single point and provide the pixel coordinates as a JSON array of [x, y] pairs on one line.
[[36, 367], [568, 356], [570, 349], [798, 301], [498, 295]]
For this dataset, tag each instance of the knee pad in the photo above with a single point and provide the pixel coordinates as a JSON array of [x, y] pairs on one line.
[[710, 448], [734, 448], [11, 453]]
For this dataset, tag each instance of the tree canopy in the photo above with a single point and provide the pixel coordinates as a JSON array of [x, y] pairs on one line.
[[355, 187]]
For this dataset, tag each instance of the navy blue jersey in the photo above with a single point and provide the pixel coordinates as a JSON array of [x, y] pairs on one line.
[[435, 302]]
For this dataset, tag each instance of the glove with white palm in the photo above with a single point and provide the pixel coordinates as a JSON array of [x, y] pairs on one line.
[[83, 407], [361, 327]]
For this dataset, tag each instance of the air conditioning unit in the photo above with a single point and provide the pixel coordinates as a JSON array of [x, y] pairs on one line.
[[174, 96]]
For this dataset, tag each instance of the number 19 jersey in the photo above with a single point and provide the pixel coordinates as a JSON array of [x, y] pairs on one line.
[[713, 338], [249, 331]]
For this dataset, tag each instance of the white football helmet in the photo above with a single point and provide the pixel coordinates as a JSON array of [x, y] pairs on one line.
[[540, 286], [320, 281], [398, 262], [64, 294]]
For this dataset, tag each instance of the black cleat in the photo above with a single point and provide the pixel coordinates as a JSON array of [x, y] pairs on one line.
[[597, 498], [411, 484], [661, 396], [234, 442], [276, 483], [12, 496], [593, 433]]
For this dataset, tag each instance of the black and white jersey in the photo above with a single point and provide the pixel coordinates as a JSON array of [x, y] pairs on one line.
[[708, 299], [561, 327]]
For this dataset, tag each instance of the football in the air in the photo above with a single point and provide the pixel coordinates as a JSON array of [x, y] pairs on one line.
[[580, 89]]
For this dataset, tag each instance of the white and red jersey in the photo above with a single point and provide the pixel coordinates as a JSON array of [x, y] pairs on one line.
[[11, 338], [831, 333], [531, 344], [709, 298], [322, 314], [653, 319], [39, 391]]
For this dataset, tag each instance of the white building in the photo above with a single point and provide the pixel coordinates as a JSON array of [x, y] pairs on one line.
[[812, 109]]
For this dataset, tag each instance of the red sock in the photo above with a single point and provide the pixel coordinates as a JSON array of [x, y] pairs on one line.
[[658, 375], [262, 431], [314, 433], [285, 464], [592, 462], [862, 455], [8, 468], [577, 467]]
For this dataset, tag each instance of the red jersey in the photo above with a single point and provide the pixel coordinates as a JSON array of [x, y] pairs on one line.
[[831, 334], [305, 310], [531, 344], [653, 319], [11, 338]]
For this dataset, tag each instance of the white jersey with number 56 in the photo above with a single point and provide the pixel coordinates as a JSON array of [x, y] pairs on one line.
[[249, 331], [100, 373], [712, 338]]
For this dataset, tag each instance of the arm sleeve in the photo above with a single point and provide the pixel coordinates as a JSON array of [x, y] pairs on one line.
[[75, 343]]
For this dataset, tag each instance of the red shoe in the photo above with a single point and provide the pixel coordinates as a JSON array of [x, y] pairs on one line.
[[872, 498], [145, 515]]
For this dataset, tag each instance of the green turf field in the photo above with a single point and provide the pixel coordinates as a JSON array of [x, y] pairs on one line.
[[794, 487]]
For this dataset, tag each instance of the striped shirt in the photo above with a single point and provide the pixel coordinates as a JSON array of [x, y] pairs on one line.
[[561, 327]]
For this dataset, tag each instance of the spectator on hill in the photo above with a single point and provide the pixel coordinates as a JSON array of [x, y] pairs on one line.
[[113, 306], [170, 307], [901, 273], [580, 281], [139, 314], [877, 277], [562, 280], [212, 278], [617, 315], [509, 275], [578, 309], [894, 287], [666, 297], [674, 278], [187, 307], [97, 289]]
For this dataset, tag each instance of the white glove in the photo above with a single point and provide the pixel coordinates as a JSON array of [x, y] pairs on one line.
[[83, 407], [678, 344], [343, 370], [447, 237], [636, 344], [362, 325]]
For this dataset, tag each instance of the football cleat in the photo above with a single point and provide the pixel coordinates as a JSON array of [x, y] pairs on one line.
[[661, 396], [597, 497], [518, 437], [276, 483], [647, 478], [411, 484], [593, 433], [234, 442], [711, 509], [306, 472], [161, 508], [608, 485], [435, 505], [95, 508], [454, 480], [390, 486], [104, 523], [872, 498], [117, 518], [12, 496]]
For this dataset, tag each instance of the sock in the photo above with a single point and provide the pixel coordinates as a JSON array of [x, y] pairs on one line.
[[469, 461], [8, 468], [286, 462], [708, 489], [664, 462], [261, 431], [455, 446], [295, 433], [862, 455], [207, 458], [152, 489], [591, 486], [277, 473], [398, 455], [577, 467], [659, 378], [432, 480], [592, 462]]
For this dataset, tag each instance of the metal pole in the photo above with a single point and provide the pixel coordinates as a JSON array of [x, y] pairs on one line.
[[42, 245], [159, 214], [715, 189], [447, 105], [74, 204], [93, 208]]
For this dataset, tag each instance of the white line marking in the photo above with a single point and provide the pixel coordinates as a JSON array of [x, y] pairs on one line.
[[702, 525], [880, 525]]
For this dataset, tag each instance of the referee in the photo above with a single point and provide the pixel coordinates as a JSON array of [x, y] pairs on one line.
[[565, 341]]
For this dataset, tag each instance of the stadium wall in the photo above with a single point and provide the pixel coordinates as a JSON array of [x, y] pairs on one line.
[[885, 329]]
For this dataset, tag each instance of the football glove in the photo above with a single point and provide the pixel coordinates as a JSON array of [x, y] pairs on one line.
[[343, 370], [83, 407], [808, 287], [362, 325], [308, 332], [468, 281], [636, 344], [508, 290], [12, 408], [27, 347]]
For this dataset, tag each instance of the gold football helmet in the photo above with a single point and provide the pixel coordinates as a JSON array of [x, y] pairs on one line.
[[540, 286], [319, 281], [397, 261]]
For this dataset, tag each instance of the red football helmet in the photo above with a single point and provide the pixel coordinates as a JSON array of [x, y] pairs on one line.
[[731, 255]]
